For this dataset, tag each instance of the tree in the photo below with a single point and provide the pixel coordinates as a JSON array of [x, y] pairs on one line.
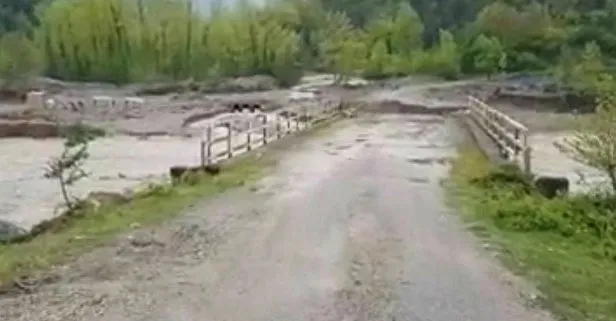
[[68, 167], [595, 145], [488, 55], [444, 59], [19, 58]]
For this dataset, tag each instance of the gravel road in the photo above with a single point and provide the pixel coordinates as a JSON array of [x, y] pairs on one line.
[[352, 226]]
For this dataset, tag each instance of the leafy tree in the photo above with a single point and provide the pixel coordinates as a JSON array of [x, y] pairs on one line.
[[19, 58], [443, 59], [489, 55], [68, 167]]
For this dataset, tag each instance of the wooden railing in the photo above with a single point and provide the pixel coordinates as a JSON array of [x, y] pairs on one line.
[[271, 127], [510, 135]]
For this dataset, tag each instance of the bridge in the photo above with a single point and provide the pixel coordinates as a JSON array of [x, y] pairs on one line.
[[505, 139]]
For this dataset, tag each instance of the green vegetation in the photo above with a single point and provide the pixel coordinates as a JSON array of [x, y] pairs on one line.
[[567, 245], [125, 41]]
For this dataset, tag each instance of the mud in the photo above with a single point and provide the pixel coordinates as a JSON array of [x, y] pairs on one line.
[[358, 234]]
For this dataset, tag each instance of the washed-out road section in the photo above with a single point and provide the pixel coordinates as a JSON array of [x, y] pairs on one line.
[[351, 226]]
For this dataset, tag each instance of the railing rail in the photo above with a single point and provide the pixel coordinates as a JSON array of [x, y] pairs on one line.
[[271, 127], [510, 135]]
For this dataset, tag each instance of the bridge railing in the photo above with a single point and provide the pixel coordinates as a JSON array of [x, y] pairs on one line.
[[271, 127], [510, 135]]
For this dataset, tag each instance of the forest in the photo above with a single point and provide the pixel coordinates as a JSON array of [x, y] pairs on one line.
[[124, 41]]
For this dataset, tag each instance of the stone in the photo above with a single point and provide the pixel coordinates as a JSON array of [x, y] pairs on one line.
[[550, 186], [176, 172], [10, 231]]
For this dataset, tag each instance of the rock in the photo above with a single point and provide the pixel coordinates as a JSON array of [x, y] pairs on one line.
[[551, 187], [177, 172], [10, 231]]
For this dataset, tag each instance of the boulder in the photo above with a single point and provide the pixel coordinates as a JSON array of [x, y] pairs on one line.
[[10, 231], [177, 172], [551, 187]]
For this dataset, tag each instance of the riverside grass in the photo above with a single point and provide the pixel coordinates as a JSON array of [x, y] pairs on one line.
[[573, 271]]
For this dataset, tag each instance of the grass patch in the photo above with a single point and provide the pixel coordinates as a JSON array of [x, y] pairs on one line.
[[565, 245], [158, 204]]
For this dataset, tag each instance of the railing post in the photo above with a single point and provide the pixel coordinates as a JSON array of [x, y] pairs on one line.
[[288, 124], [264, 124], [229, 145], [278, 127], [202, 152], [516, 136], [526, 155], [208, 138], [249, 136]]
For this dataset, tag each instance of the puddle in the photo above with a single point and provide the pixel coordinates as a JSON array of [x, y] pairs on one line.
[[429, 161], [418, 180]]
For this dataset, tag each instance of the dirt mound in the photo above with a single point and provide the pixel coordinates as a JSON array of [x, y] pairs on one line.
[[28, 128]]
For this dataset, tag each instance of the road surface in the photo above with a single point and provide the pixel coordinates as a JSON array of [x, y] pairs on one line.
[[352, 226]]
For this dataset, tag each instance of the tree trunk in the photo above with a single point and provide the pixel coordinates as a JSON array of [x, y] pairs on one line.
[[67, 199]]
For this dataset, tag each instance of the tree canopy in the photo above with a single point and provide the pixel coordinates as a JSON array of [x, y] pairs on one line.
[[123, 41]]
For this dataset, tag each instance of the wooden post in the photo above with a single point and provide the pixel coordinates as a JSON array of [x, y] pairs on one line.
[[527, 155], [516, 135], [202, 152], [229, 145], [264, 123], [278, 127], [288, 125], [208, 138], [249, 136]]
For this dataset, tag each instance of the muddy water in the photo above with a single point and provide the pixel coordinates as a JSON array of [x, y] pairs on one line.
[[116, 163]]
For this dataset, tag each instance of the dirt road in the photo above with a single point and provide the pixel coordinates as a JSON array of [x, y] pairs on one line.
[[352, 226]]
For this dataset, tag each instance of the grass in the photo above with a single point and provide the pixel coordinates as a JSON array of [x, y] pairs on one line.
[[574, 270], [151, 207]]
